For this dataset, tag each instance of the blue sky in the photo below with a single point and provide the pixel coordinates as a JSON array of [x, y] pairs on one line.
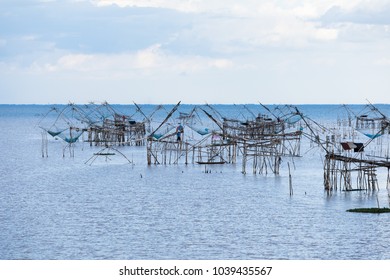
[[215, 51]]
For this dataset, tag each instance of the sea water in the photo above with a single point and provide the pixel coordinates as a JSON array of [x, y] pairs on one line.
[[58, 207]]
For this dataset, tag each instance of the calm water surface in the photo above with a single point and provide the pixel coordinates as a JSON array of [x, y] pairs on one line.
[[61, 208]]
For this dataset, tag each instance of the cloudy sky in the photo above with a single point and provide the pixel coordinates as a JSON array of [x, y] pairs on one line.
[[194, 51]]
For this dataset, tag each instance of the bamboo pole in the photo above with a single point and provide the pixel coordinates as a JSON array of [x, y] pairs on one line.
[[290, 180]]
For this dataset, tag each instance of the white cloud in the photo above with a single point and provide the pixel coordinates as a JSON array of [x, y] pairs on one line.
[[75, 61], [147, 62], [301, 8], [222, 63], [232, 25], [326, 34], [383, 61], [186, 6], [29, 37], [149, 58]]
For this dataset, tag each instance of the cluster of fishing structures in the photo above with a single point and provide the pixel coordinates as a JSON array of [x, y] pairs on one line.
[[353, 148]]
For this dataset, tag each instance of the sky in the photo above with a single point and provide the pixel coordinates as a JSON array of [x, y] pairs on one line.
[[195, 51]]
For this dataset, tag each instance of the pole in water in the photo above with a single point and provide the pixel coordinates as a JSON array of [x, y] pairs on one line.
[[290, 180]]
